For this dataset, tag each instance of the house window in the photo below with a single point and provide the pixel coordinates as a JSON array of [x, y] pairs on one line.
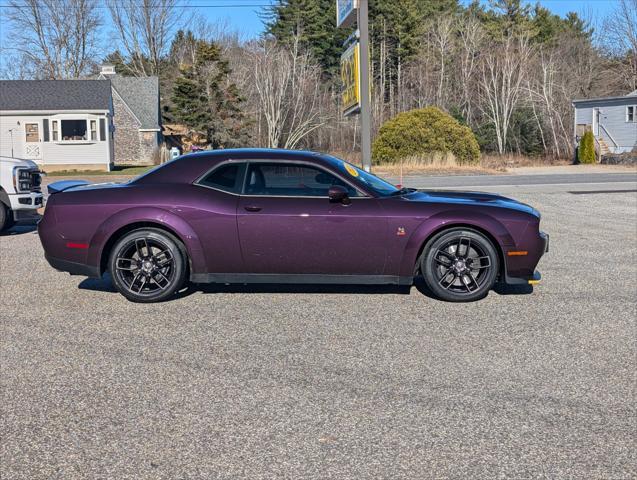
[[631, 114], [73, 130], [32, 131], [55, 130], [93, 129]]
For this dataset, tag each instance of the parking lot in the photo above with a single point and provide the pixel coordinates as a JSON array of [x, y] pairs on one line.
[[331, 382]]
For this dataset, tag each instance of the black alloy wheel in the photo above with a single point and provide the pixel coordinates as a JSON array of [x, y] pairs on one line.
[[460, 265], [148, 265]]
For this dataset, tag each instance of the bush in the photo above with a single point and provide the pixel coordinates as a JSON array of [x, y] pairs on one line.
[[425, 133], [586, 149]]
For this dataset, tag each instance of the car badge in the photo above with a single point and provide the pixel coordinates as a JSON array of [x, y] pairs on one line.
[[401, 232]]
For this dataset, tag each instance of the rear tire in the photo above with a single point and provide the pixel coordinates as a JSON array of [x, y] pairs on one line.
[[460, 265], [6, 218], [148, 265]]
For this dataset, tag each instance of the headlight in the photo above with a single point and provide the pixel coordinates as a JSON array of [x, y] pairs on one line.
[[22, 180]]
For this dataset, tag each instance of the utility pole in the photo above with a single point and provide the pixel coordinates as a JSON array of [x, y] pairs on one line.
[[11, 132], [366, 109]]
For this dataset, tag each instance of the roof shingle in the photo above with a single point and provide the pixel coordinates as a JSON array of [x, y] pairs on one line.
[[141, 95], [45, 95]]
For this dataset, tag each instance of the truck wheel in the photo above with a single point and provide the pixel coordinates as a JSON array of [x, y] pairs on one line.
[[6, 218]]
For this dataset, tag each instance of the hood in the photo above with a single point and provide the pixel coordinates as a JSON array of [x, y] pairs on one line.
[[471, 198], [18, 162]]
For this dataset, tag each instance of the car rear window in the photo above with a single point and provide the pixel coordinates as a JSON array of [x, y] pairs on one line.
[[226, 177]]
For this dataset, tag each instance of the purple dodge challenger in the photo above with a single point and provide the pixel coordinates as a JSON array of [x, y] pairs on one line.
[[259, 216]]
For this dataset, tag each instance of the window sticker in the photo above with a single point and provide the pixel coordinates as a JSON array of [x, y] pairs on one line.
[[351, 170]]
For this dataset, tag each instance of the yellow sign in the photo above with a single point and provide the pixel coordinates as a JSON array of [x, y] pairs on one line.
[[351, 76]]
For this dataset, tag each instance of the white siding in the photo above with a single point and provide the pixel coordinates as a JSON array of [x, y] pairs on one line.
[[54, 153], [7, 125]]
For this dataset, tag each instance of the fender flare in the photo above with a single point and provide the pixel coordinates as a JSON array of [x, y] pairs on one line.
[[449, 219], [148, 215]]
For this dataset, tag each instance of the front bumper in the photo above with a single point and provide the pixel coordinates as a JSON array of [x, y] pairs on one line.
[[535, 277], [528, 280], [546, 237], [25, 205]]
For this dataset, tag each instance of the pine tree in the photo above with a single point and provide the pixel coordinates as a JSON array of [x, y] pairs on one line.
[[205, 100], [586, 148], [314, 22]]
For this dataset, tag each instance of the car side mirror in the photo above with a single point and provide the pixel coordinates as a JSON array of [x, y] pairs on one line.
[[338, 194]]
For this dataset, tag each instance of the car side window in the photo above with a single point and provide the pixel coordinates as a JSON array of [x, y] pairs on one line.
[[227, 177], [291, 180]]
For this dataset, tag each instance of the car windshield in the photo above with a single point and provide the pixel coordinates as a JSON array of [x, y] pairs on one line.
[[374, 183]]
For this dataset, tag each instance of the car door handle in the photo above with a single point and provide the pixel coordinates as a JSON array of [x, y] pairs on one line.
[[252, 208]]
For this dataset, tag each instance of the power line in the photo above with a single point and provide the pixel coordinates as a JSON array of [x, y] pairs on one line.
[[242, 5]]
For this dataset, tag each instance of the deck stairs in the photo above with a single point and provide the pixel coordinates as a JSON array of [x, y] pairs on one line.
[[603, 146]]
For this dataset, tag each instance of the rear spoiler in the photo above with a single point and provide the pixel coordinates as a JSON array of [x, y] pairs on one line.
[[61, 186]]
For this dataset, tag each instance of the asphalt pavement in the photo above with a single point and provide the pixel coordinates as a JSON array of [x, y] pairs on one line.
[[547, 183], [336, 382]]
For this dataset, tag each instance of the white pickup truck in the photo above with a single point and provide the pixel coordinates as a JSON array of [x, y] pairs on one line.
[[20, 192]]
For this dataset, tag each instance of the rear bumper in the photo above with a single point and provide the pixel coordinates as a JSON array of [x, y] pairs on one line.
[[72, 267]]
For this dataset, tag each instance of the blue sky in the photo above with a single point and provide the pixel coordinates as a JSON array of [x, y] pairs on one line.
[[243, 15]]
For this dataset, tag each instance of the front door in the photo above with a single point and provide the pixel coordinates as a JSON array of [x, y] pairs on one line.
[[287, 225], [33, 145], [596, 119]]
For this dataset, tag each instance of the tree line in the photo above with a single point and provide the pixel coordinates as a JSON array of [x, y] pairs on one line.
[[507, 70]]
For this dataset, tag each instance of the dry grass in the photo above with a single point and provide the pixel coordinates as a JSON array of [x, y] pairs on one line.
[[503, 162], [434, 164], [433, 169], [440, 164]]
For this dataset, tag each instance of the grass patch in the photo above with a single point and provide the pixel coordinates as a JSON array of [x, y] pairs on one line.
[[120, 170]]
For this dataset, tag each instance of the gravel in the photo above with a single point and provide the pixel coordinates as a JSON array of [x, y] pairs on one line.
[[329, 382]]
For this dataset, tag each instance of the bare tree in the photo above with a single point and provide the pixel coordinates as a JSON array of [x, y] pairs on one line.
[[442, 35], [55, 39], [621, 39], [471, 37], [287, 83], [503, 72], [145, 29]]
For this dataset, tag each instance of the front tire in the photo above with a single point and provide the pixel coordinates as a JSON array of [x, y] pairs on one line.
[[148, 265], [460, 265], [6, 218]]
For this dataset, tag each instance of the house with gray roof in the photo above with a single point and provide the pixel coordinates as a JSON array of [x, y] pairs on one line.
[[137, 117], [613, 121], [59, 124]]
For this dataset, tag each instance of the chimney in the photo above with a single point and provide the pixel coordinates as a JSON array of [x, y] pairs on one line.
[[107, 70]]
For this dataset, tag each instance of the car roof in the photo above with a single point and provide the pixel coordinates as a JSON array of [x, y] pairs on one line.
[[187, 168], [256, 153]]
